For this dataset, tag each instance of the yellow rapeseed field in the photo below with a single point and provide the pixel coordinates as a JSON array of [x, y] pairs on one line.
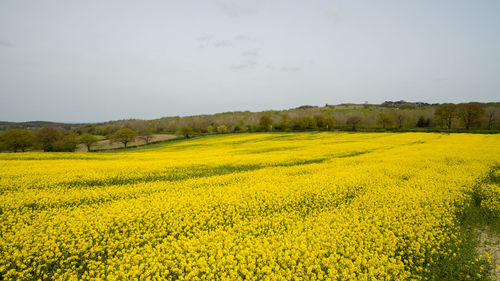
[[297, 206]]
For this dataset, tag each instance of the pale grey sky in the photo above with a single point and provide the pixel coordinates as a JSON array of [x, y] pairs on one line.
[[81, 61]]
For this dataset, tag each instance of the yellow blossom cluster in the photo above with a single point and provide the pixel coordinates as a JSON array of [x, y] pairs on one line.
[[284, 206], [491, 201]]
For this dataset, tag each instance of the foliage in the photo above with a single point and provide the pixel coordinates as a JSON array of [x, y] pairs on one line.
[[423, 122], [337, 117], [470, 113], [491, 113], [284, 122], [384, 119], [70, 142], [16, 139], [354, 120], [277, 206], [88, 140], [399, 117], [486, 195], [445, 114], [49, 138], [34, 125], [187, 131], [324, 122], [265, 123], [222, 129], [305, 123], [124, 136], [146, 134]]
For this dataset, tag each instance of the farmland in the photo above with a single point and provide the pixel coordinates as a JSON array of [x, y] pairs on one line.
[[270, 206]]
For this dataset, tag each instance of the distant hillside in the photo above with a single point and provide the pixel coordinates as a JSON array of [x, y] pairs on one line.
[[390, 115], [35, 125]]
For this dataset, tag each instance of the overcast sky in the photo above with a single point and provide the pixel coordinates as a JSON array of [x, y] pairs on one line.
[[89, 61]]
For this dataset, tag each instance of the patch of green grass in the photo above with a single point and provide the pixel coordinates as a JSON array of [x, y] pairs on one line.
[[141, 147], [180, 173], [468, 263], [481, 216]]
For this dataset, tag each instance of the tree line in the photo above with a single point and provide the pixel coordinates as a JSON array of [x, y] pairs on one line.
[[51, 139], [387, 116], [394, 116]]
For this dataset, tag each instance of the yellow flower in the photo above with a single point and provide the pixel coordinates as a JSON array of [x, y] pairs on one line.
[[312, 206]]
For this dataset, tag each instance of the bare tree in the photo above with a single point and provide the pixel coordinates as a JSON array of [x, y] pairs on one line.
[[491, 114], [146, 134], [354, 120], [445, 114], [470, 113], [399, 116]]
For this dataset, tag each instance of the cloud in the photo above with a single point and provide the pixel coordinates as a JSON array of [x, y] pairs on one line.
[[223, 43], [241, 37], [334, 14], [249, 60], [4, 43], [251, 53], [244, 64], [289, 68], [440, 79], [237, 7], [203, 40]]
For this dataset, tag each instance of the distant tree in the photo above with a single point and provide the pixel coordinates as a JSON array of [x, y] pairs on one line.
[[124, 136], [423, 122], [491, 114], [146, 134], [284, 123], [251, 128], [384, 119], [240, 126], [107, 130], [445, 114], [70, 142], [398, 116], [187, 131], [470, 113], [16, 139], [48, 138], [222, 129], [138, 126], [97, 130], [88, 140], [324, 122], [329, 123], [210, 129], [354, 120], [305, 123], [265, 123]]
